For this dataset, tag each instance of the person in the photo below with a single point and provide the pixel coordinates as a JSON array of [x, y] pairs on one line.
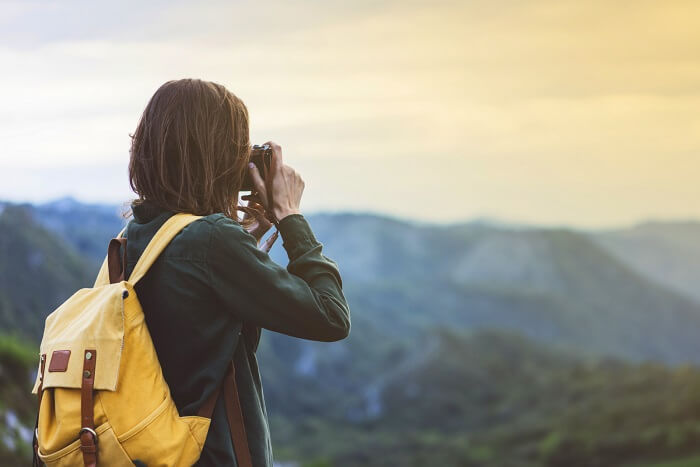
[[189, 153]]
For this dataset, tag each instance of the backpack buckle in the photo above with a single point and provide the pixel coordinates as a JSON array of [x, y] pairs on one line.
[[89, 430]]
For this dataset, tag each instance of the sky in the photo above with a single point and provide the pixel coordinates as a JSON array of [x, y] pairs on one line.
[[542, 112]]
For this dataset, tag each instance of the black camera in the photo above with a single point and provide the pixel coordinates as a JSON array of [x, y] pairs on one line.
[[261, 156]]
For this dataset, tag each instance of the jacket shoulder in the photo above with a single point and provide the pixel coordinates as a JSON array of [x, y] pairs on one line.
[[194, 240], [201, 233], [223, 227]]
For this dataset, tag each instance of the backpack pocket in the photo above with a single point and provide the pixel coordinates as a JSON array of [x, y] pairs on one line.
[[179, 440], [109, 451]]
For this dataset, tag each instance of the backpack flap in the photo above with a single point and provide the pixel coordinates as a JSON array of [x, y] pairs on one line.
[[92, 319]]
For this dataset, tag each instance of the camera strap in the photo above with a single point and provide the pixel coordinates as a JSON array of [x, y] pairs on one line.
[[256, 214]]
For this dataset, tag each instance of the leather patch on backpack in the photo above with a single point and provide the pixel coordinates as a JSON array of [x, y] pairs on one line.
[[59, 360]]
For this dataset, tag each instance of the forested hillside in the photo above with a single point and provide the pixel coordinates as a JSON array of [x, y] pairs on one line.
[[495, 399], [18, 360], [471, 344], [38, 270]]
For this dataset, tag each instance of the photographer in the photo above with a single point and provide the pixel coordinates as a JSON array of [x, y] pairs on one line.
[[190, 153]]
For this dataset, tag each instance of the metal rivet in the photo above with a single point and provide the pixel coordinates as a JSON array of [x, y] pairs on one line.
[[88, 355], [86, 373], [125, 294]]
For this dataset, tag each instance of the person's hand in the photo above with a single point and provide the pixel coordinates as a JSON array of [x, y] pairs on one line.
[[255, 210], [283, 183]]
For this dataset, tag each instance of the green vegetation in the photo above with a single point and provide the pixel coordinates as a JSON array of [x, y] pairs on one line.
[[497, 399], [38, 271], [18, 361], [471, 345]]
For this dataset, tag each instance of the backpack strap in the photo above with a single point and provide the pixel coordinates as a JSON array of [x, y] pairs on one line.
[[160, 240], [103, 276], [87, 435], [234, 415], [36, 462], [116, 262], [155, 247]]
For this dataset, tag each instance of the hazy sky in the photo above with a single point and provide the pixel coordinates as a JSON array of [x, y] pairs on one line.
[[560, 112]]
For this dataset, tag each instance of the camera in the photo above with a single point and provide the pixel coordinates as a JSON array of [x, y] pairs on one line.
[[261, 156]]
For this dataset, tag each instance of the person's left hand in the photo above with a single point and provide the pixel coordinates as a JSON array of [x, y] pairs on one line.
[[255, 210]]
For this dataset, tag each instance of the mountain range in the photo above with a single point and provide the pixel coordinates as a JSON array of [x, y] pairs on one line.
[[417, 290]]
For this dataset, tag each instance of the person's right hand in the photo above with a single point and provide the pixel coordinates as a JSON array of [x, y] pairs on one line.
[[284, 183]]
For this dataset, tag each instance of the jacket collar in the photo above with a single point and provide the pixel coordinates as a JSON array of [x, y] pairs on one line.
[[145, 211]]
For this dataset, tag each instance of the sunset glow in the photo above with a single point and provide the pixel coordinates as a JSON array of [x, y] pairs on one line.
[[557, 112]]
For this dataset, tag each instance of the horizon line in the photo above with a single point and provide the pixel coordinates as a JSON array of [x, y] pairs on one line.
[[485, 220]]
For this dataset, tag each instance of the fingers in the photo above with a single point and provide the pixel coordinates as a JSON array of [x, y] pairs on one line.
[[277, 161], [253, 212], [262, 224], [253, 204], [252, 198], [258, 183], [256, 206]]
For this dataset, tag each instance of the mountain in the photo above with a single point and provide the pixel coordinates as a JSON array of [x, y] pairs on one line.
[[98, 223], [666, 252], [556, 285], [547, 332], [38, 271], [500, 400], [401, 278], [487, 399]]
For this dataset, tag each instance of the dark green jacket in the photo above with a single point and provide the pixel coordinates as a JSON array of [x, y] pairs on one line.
[[212, 281]]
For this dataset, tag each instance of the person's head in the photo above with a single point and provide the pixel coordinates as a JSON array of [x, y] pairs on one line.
[[190, 149]]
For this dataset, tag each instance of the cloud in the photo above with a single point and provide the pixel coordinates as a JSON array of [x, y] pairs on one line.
[[541, 111]]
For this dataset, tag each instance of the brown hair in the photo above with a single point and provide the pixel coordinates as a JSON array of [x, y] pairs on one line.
[[190, 149]]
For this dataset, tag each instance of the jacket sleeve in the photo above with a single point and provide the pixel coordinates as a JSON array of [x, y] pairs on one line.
[[304, 300]]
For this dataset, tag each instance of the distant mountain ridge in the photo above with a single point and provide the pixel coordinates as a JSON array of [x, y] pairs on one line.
[[552, 284], [38, 271], [668, 253], [561, 286], [573, 295]]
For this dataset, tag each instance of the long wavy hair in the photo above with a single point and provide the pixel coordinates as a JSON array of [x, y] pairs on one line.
[[190, 149]]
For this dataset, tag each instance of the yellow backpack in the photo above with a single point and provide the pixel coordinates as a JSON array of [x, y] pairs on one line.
[[102, 396]]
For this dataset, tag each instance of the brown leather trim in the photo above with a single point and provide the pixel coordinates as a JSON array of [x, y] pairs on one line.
[[89, 449], [234, 414], [39, 393], [59, 361], [40, 390], [88, 441], [207, 409], [116, 263]]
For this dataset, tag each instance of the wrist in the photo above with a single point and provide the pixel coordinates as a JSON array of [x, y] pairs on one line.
[[284, 213]]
